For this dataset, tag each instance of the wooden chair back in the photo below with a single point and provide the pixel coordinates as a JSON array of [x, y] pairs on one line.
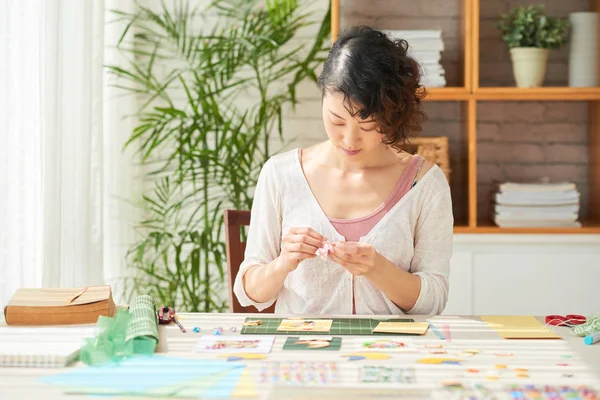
[[235, 248]]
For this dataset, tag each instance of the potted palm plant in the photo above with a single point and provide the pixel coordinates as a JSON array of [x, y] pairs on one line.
[[211, 97], [530, 34]]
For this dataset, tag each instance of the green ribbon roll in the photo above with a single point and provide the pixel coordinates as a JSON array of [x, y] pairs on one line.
[[129, 332]]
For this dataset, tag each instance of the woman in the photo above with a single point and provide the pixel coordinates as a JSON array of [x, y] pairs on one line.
[[382, 216]]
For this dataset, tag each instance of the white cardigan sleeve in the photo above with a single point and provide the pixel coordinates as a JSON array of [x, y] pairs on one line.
[[263, 244], [433, 249]]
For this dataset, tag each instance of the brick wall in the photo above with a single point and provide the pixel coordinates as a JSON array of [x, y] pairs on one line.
[[516, 140], [527, 140], [531, 140]]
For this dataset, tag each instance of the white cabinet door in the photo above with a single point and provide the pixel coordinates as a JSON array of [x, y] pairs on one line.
[[460, 298], [536, 281]]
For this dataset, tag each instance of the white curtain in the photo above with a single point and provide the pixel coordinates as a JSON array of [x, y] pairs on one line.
[[64, 180]]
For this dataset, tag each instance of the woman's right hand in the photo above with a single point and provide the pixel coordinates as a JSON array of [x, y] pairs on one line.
[[298, 245]]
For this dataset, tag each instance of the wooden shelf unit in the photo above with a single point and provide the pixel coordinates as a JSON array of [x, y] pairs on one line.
[[472, 93]]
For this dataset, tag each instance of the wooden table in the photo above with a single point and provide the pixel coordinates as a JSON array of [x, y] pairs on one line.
[[467, 333]]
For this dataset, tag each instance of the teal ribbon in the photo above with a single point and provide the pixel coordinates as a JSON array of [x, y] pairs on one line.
[[129, 332]]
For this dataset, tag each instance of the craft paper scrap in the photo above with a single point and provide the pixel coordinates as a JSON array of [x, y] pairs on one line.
[[298, 373], [387, 374], [519, 327], [258, 344], [386, 344], [369, 355], [312, 343], [246, 388], [306, 325], [409, 328], [152, 376]]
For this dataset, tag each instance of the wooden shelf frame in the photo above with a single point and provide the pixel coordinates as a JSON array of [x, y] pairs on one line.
[[471, 93]]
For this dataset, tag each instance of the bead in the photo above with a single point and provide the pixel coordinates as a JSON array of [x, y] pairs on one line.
[[217, 331], [196, 329], [233, 329]]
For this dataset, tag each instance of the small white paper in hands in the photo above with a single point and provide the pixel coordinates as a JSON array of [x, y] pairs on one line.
[[323, 251]]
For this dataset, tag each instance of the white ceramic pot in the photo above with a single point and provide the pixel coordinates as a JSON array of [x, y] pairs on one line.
[[529, 65]]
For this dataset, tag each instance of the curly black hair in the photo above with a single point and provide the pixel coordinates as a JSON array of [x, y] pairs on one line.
[[377, 78]]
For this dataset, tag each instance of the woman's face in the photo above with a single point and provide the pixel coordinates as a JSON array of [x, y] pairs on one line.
[[352, 137]]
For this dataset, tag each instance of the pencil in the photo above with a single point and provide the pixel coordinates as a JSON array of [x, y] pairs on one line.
[[437, 333], [179, 325], [446, 329]]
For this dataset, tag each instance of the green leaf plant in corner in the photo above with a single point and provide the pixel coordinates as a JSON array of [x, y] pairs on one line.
[[212, 85]]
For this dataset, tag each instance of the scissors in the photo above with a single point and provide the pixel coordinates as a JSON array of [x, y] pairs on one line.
[[567, 320]]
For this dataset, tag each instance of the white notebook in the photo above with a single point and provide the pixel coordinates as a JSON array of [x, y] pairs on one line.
[[42, 347]]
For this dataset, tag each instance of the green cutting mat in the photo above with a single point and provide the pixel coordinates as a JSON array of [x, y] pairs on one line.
[[339, 326]]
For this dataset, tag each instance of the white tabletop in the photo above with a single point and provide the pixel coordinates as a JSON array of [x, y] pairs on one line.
[[496, 362]]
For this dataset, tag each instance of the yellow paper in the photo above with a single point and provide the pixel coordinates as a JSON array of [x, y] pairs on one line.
[[306, 325], [370, 356], [245, 387], [245, 356], [519, 327], [414, 328], [436, 360]]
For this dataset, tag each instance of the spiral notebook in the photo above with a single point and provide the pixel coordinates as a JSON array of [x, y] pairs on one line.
[[42, 347]]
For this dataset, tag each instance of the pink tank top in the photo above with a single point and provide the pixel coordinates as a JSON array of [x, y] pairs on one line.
[[355, 228]]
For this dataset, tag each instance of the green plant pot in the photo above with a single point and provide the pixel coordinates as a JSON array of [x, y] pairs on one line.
[[529, 66]]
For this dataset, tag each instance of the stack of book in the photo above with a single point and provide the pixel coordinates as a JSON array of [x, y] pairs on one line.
[[426, 47], [520, 205]]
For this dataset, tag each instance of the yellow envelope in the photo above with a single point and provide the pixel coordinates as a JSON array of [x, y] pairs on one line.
[[413, 328], [519, 327]]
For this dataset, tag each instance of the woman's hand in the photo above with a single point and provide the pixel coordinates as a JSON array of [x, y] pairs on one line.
[[358, 258], [298, 245]]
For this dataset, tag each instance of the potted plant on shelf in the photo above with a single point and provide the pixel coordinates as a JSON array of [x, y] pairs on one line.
[[530, 34]]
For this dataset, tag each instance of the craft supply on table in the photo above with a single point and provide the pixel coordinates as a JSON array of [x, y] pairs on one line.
[[305, 325], [446, 331], [42, 347], [408, 328], [157, 376], [519, 327], [436, 331], [217, 331], [234, 344], [166, 315], [53, 306], [592, 325], [243, 356], [196, 329], [132, 331], [367, 356], [298, 373], [386, 374], [591, 339], [567, 320], [392, 345], [312, 343], [339, 326], [233, 329]]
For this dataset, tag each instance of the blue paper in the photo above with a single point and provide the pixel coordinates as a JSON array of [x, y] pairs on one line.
[[224, 389], [143, 374]]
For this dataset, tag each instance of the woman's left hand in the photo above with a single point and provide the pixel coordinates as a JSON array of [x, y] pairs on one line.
[[356, 257]]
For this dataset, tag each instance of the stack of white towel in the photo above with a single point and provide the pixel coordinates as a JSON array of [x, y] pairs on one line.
[[519, 205], [426, 47]]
